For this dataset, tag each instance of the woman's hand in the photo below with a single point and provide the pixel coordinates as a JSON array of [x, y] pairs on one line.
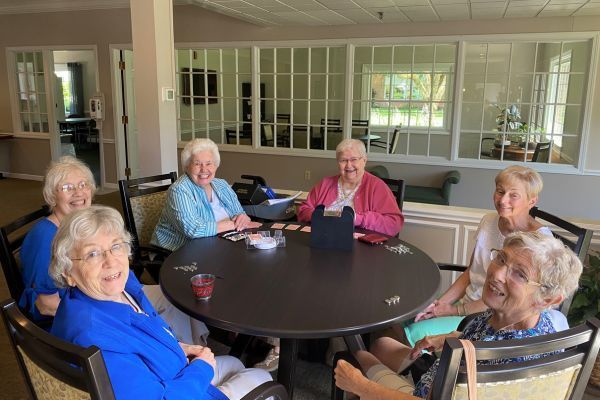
[[47, 304], [429, 343], [194, 352], [241, 221], [437, 309], [225, 225], [349, 378]]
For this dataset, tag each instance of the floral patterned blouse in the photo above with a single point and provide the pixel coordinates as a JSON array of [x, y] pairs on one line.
[[480, 329]]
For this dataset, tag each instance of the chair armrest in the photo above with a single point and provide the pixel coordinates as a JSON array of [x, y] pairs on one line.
[[156, 249], [266, 390], [337, 393], [452, 267]]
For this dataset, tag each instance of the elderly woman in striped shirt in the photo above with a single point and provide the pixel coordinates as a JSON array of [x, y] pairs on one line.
[[198, 204]]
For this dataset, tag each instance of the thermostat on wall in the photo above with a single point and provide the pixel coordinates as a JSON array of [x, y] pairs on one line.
[[168, 94]]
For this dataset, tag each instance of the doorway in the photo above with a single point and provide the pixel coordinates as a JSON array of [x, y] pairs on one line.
[[74, 83], [125, 122]]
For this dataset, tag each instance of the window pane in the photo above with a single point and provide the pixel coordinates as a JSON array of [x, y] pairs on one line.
[[403, 58], [523, 58], [300, 83], [229, 61], [318, 60], [336, 87], [579, 53], [284, 88], [473, 88], [337, 60], [300, 60], [383, 59], [284, 60], [498, 57], [545, 53], [475, 58], [266, 60], [362, 56], [244, 61], [317, 86]]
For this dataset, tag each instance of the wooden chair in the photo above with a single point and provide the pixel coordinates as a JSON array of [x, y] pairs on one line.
[[11, 239], [397, 187], [53, 368], [541, 153], [317, 141], [143, 200], [561, 375]]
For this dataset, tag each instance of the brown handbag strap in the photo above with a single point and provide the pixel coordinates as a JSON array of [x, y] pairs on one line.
[[470, 363]]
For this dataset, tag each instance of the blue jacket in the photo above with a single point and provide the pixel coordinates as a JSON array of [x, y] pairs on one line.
[[143, 358], [187, 214], [35, 260]]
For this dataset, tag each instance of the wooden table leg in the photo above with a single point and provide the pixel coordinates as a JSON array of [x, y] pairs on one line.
[[288, 355]]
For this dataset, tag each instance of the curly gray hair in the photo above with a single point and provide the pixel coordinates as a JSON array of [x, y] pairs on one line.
[[197, 146], [77, 227], [559, 268], [57, 172], [351, 144]]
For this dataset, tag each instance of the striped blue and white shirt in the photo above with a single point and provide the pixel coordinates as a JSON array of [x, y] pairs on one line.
[[188, 215]]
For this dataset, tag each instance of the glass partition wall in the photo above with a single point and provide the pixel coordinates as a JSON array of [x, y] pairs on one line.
[[519, 100]]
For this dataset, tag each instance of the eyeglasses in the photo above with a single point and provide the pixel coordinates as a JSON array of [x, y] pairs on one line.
[[515, 274], [71, 187], [352, 160], [199, 164], [96, 257]]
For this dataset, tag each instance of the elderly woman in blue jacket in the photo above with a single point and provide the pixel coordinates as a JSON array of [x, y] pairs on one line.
[[105, 306], [198, 204]]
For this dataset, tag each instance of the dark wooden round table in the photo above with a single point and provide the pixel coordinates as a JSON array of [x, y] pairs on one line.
[[299, 292]]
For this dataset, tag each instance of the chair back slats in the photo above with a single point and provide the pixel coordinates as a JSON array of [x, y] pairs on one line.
[[52, 367], [575, 348], [139, 187], [11, 239]]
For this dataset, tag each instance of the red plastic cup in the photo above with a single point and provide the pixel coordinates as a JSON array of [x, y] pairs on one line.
[[203, 285]]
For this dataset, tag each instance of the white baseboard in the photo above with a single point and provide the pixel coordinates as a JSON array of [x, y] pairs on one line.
[[28, 177]]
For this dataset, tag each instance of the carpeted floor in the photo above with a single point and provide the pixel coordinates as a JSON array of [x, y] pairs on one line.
[[18, 197]]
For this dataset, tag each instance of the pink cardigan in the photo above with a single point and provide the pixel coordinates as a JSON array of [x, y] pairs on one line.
[[374, 204]]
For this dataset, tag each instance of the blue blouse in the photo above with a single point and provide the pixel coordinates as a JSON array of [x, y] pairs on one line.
[[188, 215], [35, 261], [480, 329]]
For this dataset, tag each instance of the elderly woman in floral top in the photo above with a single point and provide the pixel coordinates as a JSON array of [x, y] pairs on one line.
[[531, 273]]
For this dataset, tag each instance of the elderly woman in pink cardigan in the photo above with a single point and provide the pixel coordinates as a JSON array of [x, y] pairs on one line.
[[373, 202]]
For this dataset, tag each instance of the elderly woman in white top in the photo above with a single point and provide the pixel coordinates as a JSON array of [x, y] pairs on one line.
[[516, 192], [199, 204]]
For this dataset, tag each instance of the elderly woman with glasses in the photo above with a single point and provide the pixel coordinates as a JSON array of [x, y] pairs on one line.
[[373, 202], [105, 306], [69, 186], [529, 274], [199, 204], [516, 191]]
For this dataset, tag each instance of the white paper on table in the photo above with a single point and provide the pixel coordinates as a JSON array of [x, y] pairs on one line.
[[281, 200]]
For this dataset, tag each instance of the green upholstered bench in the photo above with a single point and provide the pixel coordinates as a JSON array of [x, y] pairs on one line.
[[431, 195]]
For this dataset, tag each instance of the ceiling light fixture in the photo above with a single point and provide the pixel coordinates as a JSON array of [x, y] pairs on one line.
[[380, 15]]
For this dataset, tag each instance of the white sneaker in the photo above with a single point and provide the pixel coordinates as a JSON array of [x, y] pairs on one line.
[[270, 363]]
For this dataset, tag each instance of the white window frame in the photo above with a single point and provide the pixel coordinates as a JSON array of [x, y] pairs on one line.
[[454, 160]]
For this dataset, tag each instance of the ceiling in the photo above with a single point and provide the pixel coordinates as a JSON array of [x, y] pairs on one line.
[[341, 12]]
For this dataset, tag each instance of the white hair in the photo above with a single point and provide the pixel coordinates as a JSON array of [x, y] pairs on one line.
[[197, 146]]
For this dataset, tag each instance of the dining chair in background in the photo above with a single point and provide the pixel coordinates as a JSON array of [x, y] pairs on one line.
[[541, 153], [397, 187], [143, 200], [390, 146]]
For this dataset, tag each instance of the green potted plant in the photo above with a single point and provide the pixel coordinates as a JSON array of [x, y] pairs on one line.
[[586, 302]]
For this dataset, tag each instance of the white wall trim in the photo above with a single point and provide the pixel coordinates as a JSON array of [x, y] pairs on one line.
[[23, 176]]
